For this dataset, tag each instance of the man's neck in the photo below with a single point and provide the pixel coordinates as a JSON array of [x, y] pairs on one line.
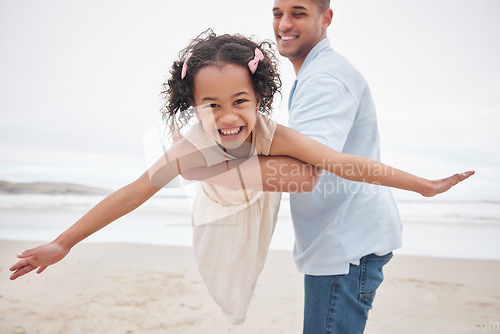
[[297, 64]]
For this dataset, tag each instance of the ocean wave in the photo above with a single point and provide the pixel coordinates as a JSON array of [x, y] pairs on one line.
[[485, 213]]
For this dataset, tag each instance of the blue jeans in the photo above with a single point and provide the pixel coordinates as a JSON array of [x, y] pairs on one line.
[[339, 304]]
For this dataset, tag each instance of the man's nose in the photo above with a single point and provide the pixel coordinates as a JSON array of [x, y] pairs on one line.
[[285, 23]]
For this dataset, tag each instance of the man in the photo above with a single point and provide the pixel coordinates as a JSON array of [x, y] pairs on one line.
[[345, 231]]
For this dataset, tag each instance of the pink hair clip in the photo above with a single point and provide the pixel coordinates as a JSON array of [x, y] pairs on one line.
[[185, 66], [254, 63]]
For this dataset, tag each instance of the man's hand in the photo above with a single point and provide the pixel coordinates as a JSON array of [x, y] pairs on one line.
[[267, 173]]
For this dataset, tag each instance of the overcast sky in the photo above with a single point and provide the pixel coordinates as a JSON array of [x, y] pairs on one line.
[[80, 81]]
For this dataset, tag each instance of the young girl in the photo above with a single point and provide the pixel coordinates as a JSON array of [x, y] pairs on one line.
[[228, 82]]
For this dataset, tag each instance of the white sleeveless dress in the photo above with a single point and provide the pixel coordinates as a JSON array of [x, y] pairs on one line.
[[232, 228]]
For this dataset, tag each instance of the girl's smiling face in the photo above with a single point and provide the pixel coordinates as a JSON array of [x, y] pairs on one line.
[[226, 103]]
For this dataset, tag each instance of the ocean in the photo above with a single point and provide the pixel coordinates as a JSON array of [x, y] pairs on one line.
[[430, 227]]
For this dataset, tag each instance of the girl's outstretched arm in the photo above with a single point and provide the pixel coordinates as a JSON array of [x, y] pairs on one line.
[[356, 168], [109, 209]]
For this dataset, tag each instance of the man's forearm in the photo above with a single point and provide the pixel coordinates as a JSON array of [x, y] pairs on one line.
[[267, 173]]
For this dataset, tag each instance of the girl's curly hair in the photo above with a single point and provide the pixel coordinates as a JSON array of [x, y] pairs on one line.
[[209, 49]]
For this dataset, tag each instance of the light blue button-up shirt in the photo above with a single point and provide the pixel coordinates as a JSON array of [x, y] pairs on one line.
[[341, 221]]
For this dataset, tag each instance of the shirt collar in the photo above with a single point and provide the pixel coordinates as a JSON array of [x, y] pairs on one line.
[[320, 46]]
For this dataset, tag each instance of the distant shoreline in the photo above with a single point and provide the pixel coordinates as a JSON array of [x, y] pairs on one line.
[[50, 188]]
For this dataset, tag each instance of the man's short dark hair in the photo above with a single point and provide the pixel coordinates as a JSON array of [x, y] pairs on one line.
[[322, 4]]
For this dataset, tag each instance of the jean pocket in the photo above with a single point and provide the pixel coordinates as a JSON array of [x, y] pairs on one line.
[[372, 275]]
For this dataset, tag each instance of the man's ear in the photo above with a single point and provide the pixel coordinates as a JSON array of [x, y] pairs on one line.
[[326, 18]]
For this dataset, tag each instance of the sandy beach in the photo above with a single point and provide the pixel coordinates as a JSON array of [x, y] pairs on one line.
[[135, 288]]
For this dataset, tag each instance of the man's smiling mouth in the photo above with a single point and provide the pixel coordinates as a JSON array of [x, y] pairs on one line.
[[289, 38]]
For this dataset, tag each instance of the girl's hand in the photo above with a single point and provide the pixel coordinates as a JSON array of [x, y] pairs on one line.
[[40, 257], [440, 186]]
